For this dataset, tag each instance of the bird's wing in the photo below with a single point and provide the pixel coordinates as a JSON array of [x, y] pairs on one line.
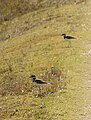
[[40, 82], [70, 37]]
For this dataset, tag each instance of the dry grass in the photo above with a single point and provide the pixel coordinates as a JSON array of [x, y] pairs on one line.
[[35, 51]]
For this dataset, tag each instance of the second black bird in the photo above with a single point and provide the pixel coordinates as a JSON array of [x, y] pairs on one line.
[[37, 81]]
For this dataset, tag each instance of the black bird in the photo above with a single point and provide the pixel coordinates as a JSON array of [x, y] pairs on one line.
[[68, 38], [37, 81], [38, 84]]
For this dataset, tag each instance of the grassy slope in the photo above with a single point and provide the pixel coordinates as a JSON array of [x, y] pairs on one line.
[[11, 9], [38, 49]]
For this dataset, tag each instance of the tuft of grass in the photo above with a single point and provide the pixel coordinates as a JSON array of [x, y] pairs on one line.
[[56, 80]]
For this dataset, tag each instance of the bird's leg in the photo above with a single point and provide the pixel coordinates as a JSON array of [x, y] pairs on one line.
[[69, 43], [39, 91]]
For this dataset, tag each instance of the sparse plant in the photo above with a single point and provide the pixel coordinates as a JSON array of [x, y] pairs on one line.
[[56, 79]]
